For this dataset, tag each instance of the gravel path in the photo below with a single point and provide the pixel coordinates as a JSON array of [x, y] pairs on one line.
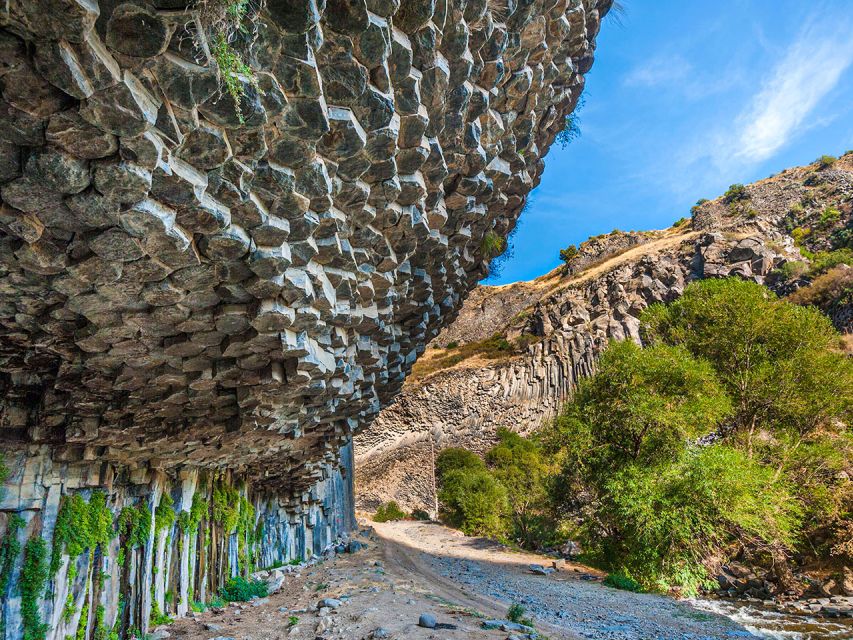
[[570, 603]]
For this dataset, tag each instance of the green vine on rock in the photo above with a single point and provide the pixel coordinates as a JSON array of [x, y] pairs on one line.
[[9, 550], [80, 525], [34, 577], [223, 21], [188, 521], [164, 514], [134, 525]]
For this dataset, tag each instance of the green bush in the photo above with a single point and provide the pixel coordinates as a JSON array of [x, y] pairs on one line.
[[420, 514], [519, 466], [823, 261], [828, 217], [569, 254], [238, 589], [473, 501], [456, 458], [671, 516], [825, 162], [623, 582], [735, 193], [516, 612], [792, 270], [389, 511]]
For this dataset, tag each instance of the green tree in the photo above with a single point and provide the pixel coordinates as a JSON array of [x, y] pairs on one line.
[[473, 501], [774, 357], [640, 407], [517, 463], [456, 458], [665, 520]]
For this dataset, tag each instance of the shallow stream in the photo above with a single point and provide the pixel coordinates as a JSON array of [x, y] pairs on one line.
[[765, 622]]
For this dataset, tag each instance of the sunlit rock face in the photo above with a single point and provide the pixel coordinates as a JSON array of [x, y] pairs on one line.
[[191, 287]]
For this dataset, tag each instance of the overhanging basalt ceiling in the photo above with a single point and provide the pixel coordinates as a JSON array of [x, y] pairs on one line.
[[185, 283]]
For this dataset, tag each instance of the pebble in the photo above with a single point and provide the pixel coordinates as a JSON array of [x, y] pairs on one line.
[[380, 632], [331, 603], [427, 621]]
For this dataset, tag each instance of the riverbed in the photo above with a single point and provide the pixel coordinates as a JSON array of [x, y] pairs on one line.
[[765, 622]]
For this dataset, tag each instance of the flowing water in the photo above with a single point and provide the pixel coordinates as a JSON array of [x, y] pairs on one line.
[[765, 622]]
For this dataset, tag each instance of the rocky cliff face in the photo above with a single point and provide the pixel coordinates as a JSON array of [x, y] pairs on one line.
[[560, 322], [202, 301]]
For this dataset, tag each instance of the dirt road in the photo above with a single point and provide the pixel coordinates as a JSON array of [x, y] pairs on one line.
[[414, 568], [569, 603]]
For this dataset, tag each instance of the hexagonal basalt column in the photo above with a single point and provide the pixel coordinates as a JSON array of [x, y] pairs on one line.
[[186, 282]]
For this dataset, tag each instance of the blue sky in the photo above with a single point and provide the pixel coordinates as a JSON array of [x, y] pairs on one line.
[[684, 99]]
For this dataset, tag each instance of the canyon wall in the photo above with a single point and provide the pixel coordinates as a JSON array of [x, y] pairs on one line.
[[227, 231], [565, 318]]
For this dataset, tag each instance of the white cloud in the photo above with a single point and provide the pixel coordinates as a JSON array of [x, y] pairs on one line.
[[810, 68], [658, 71]]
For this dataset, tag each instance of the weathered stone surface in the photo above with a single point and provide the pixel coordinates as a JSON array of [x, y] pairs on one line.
[[193, 286]]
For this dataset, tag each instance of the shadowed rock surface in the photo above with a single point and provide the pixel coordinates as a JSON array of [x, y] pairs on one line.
[[198, 298]]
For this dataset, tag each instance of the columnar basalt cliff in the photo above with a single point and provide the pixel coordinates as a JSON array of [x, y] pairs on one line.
[[559, 323], [201, 301]]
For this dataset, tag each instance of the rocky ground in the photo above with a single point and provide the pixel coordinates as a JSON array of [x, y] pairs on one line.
[[415, 569]]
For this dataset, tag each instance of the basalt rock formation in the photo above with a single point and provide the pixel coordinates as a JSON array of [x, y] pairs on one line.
[[557, 324], [212, 276]]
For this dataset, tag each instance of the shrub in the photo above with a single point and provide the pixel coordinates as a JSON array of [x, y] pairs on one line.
[[791, 270], [825, 162], [735, 193], [829, 217], [452, 344], [420, 514], [568, 254], [695, 208], [828, 288], [519, 466], [238, 589], [671, 516], [455, 458], [623, 582], [516, 612], [570, 131], [473, 501], [524, 341], [680, 222], [389, 511], [823, 261]]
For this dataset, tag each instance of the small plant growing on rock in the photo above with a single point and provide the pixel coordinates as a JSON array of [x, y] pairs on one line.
[[292, 621], [516, 612], [825, 161], [224, 21], [493, 245], [735, 193], [568, 255]]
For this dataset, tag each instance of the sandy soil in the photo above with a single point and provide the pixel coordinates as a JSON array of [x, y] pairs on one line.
[[410, 568]]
